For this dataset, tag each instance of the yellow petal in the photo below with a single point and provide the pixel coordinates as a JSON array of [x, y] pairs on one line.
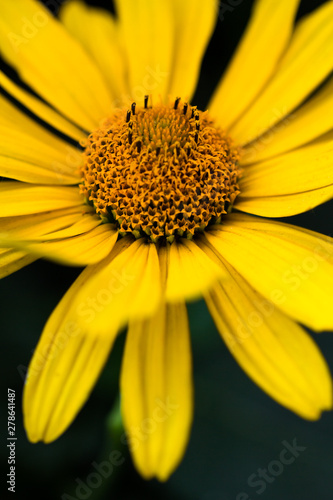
[[62, 373], [40, 109], [309, 122], [21, 199], [255, 60], [285, 205], [147, 30], [303, 178], [69, 80], [306, 63], [290, 266], [125, 285], [189, 271], [80, 250], [68, 358], [156, 390], [83, 224], [272, 349], [189, 48], [26, 171], [98, 32], [13, 120], [32, 154], [11, 260], [37, 226], [20, 231]]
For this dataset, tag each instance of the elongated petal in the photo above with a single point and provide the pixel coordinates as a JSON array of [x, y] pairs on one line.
[[13, 120], [30, 153], [40, 109], [182, 283], [290, 266], [21, 199], [156, 390], [83, 249], [30, 171], [69, 79], [193, 28], [75, 344], [309, 122], [307, 62], [11, 260], [304, 178], [87, 222], [125, 285], [62, 373], [48, 225], [285, 205], [147, 30], [68, 236], [306, 168], [255, 60], [98, 32], [272, 349]]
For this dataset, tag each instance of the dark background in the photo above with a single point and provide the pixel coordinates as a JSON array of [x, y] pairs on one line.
[[237, 428]]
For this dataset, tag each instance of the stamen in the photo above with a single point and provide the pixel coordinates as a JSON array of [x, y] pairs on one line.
[[163, 174]]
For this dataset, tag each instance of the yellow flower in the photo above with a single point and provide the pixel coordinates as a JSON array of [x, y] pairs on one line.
[[147, 207]]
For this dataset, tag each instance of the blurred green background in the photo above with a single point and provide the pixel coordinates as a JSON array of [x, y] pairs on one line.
[[237, 428]]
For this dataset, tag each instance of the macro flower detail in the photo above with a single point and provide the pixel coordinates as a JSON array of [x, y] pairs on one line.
[[161, 172], [163, 203]]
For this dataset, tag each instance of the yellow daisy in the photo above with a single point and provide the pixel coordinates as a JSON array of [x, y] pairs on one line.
[[147, 206]]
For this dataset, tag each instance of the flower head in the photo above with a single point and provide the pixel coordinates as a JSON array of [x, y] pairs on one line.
[[161, 172], [159, 201]]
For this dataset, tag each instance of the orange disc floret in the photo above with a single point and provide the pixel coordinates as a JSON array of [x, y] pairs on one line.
[[160, 171]]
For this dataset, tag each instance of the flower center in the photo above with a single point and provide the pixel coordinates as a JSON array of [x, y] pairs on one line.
[[162, 171]]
